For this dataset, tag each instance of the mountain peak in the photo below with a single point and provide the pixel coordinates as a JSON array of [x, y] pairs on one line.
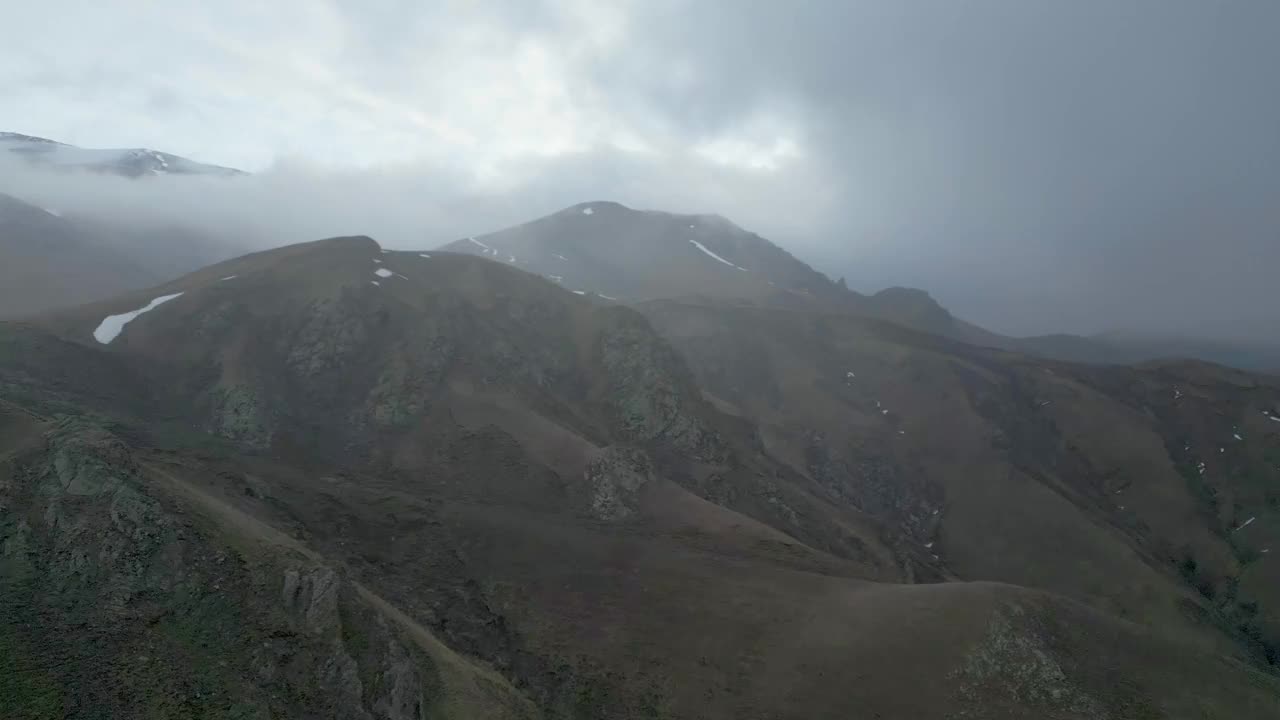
[[127, 162]]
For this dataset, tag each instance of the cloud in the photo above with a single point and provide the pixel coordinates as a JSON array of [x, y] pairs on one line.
[[1037, 166]]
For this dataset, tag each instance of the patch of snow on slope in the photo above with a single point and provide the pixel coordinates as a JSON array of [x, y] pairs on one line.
[[607, 297], [579, 292], [375, 282], [111, 325], [588, 211], [474, 241], [1245, 524], [229, 277], [424, 255], [558, 255], [557, 278], [383, 273], [54, 213], [714, 256]]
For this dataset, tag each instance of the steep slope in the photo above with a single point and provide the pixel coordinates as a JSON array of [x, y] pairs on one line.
[[349, 481], [998, 464], [611, 250], [50, 260], [47, 261], [128, 162], [618, 253]]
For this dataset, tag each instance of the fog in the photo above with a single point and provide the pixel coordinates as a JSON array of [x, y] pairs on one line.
[[1037, 167]]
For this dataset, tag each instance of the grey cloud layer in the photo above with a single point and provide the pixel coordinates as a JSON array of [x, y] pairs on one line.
[[1037, 166]]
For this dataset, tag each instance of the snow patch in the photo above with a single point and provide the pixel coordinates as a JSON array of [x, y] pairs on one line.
[[714, 256], [557, 278], [476, 242], [377, 261], [558, 255], [588, 211], [424, 255], [607, 297], [229, 277], [511, 258], [383, 273], [54, 213], [1245, 524], [579, 292], [375, 282], [384, 252], [1237, 436], [111, 325]]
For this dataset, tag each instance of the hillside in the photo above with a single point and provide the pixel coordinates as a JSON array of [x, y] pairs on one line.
[[618, 253], [329, 479], [47, 261], [51, 260], [614, 251]]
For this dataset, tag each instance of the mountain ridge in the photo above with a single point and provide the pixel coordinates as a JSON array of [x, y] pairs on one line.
[[126, 162], [689, 508]]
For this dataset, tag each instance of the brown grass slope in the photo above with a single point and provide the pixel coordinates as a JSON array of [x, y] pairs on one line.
[[523, 497], [1080, 480]]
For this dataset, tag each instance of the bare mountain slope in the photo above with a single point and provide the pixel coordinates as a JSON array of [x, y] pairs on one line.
[[631, 255], [47, 261], [330, 479], [1156, 483], [50, 260]]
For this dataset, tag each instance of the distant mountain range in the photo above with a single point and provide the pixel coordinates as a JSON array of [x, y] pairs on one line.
[[613, 251], [127, 162]]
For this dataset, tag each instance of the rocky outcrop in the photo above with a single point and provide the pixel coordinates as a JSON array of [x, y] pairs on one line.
[[240, 414], [1013, 667], [120, 597], [650, 391], [614, 480]]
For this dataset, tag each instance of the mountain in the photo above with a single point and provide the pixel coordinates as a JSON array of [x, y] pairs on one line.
[[47, 261], [1152, 480], [50, 260], [612, 251], [130, 162], [330, 480]]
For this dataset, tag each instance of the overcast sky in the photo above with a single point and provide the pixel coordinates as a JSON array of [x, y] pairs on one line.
[[1037, 166]]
